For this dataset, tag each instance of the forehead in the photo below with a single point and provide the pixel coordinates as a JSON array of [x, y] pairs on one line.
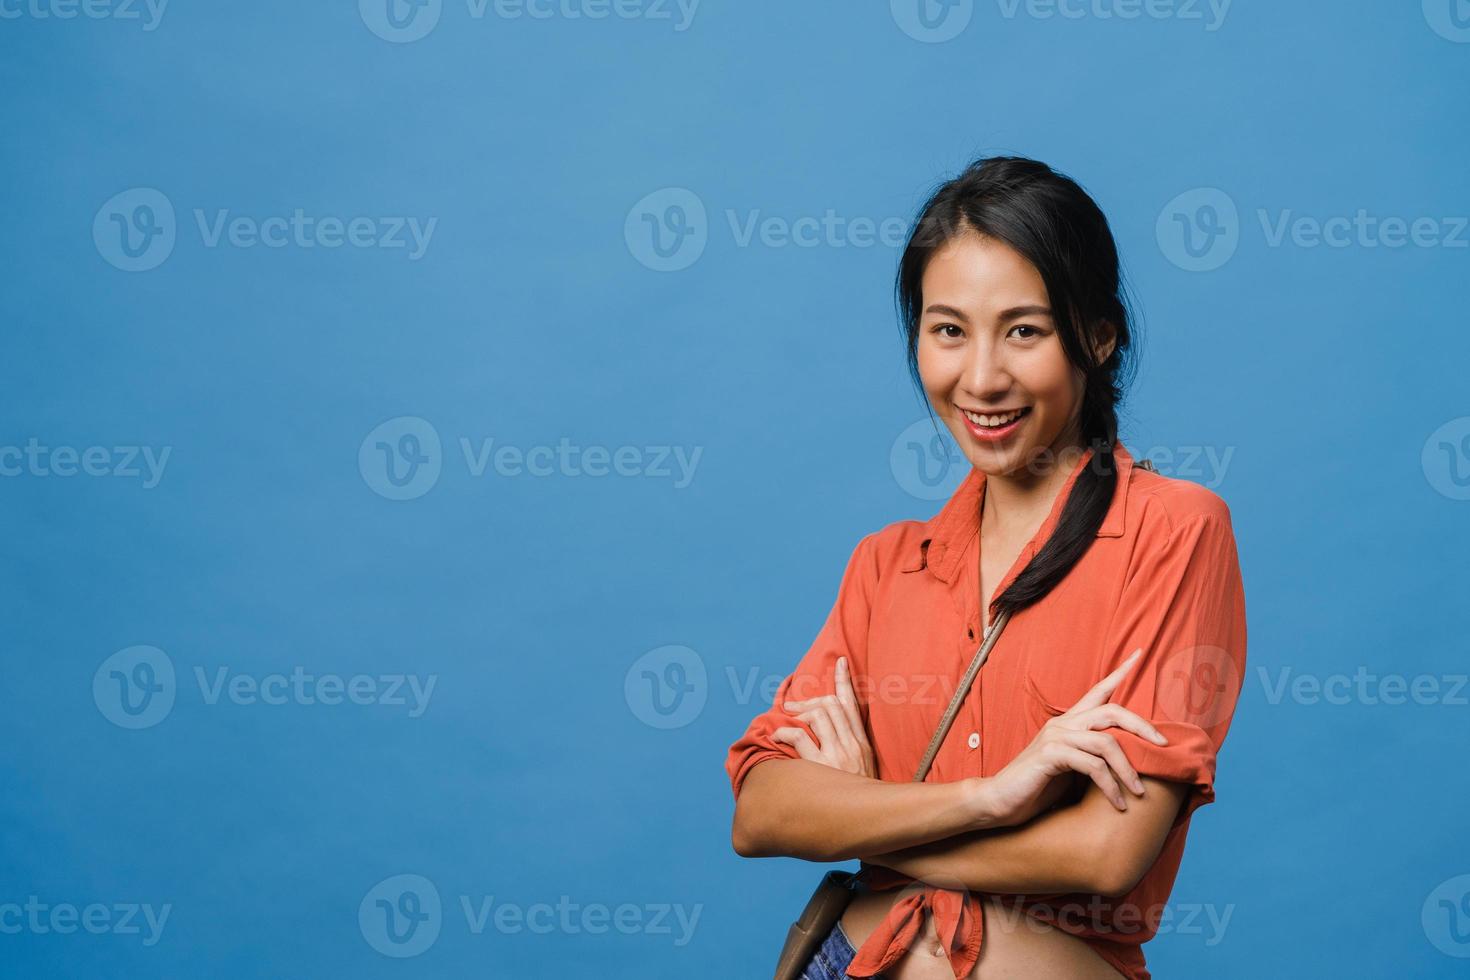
[[981, 275]]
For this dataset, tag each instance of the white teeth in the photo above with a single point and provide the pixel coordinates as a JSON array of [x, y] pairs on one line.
[[993, 420]]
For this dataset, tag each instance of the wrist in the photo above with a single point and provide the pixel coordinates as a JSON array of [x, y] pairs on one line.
[[980, 803]]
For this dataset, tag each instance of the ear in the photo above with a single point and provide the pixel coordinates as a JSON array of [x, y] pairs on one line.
[[1104, 339]]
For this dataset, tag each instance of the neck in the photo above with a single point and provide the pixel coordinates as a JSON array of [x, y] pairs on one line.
[[1025, 495]]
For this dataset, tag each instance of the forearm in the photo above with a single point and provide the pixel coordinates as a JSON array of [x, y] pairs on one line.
[[1088, 847], [1049, 855], [797, 808]]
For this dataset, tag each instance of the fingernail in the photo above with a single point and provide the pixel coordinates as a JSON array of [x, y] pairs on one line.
[[1159, 737]]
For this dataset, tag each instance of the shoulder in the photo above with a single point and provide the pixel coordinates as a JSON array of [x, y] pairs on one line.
[[1162, 504], [893, 547], [1179, 529]]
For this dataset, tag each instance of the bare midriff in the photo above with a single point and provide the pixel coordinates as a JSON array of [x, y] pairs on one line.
[[1016, 945]]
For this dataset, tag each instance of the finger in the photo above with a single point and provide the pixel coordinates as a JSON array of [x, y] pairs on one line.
[[1104, 688], [1095, 769], [827, 738], [798, 739], [847, 697], [1107, 747], [837, 718], [806, 703], [1117, 716]]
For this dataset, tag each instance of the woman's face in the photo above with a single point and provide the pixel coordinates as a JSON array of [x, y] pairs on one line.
[[987, 344]]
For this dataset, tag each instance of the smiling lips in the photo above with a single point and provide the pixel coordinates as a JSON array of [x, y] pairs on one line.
[[994, 426]]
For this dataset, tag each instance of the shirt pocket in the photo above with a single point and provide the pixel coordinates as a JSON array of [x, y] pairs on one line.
[[1040, 705]]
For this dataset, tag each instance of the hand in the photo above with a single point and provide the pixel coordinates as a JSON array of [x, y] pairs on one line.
[[1067, 744], [839, 727]]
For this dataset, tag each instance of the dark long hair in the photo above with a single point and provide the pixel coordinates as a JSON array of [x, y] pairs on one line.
[[1052, 222]]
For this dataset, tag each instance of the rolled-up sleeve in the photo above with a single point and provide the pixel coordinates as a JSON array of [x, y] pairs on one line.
[[1183, 603], [844, 634]]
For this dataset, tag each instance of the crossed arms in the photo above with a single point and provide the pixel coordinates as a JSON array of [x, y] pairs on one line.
[[1002, 833]]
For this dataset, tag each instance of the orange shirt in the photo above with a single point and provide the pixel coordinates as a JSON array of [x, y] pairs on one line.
[[1162, 574]]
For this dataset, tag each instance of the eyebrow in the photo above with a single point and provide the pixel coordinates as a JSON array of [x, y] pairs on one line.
[[1010, 314]]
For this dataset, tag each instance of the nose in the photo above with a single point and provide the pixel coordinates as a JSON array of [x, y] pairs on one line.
[[986, 376]]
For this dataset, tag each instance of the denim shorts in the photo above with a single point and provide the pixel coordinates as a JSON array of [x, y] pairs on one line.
[[830, 960]]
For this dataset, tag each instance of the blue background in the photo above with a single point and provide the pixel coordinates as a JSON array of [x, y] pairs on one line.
[[535, 315]]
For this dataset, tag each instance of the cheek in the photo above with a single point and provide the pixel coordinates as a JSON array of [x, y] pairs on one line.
[[1051, 381], [935, 370]]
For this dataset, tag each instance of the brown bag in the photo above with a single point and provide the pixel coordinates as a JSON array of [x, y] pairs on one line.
[[835, 891]]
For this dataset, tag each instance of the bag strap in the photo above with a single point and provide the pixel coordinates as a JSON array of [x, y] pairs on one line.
[[992, 632]]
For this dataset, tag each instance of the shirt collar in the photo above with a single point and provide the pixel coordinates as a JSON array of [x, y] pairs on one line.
[[948, 532]]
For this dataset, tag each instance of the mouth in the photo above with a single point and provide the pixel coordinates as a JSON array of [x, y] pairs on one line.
[[992, 426]]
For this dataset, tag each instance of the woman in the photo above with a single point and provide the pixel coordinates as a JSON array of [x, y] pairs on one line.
[[1045, 838]]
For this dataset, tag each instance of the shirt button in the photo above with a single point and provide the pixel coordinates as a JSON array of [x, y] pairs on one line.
[[974, 740]]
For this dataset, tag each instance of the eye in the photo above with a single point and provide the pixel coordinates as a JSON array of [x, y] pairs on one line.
[[1035, 332], [940, 328]]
